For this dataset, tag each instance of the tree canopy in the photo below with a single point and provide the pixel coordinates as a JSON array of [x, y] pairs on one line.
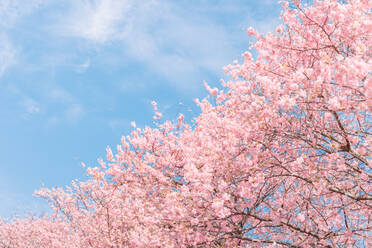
[[282, 158]]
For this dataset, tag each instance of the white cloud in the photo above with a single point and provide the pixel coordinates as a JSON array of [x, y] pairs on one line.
[[7, 54], [74, 112], [72, 109], [60, 95], [81, 68], [12, 10], [31, 106], [163, 35], [95, 20], [157, 33], [28, 104]]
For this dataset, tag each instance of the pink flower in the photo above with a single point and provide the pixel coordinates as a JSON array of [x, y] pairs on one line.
[[110, 156], [214, 91], [285, 4], [251, 31], [154, 105], [217, 204], [279, 29], [301, 217], [333, 103]]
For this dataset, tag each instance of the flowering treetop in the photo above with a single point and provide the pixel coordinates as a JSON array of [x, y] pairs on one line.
[[283, 159]]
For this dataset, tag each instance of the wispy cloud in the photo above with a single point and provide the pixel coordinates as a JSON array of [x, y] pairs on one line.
[[95, 20], [7, 54], [177, 40], [59, 95], [80, 68], [73, 110], [12, 10], [162, 36], [30, 105]]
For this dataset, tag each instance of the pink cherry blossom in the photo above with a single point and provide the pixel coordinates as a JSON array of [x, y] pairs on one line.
[[281, 159]]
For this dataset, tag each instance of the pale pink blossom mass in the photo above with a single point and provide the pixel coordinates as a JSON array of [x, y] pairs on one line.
[[282, 159]]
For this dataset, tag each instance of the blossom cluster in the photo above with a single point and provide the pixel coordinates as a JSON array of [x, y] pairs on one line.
[[282, 159]]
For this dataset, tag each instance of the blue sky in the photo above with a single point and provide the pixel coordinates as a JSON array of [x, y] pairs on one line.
[[75, 73]]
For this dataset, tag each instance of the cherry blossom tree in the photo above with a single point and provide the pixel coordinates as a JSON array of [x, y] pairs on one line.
[[281, 159]]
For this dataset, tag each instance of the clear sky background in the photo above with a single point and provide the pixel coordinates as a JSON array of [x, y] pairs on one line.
[[75, 73]]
